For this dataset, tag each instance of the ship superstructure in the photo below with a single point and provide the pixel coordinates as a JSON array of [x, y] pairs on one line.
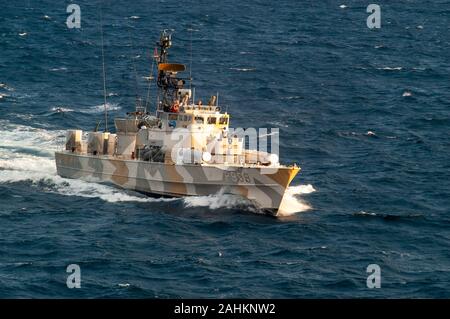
[[184, 149]]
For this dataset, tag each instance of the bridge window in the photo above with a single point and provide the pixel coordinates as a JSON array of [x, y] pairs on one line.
[[223, 120], [199, 120], [173, 117], [211, 120]]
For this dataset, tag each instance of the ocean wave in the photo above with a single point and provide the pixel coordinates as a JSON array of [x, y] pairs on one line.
[[278, 124], [295, 97], [60, 109], [91, 110], [58, 69], [6, 87], [388, 68], [407, 94], [243, 69], [101, 108], [352, 134], [388, 216]]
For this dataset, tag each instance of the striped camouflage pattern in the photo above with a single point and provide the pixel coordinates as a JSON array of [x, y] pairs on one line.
[[264, 186]]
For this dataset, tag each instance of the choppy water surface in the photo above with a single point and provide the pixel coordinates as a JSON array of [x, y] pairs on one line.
[[364, 112]]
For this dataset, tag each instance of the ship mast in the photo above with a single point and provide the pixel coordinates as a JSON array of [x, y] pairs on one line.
[[168, 82]]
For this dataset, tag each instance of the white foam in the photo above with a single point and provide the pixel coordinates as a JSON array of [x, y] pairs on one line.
[[269, 134], [6, 87], [76, 187], [58, 69], [243, 69], [301, 189], [31, 138], [363, 213], [219, 200], [278, 124], [42, 172], [101, 108], [27, 154], [406, 94], [292, 203], [91, 110], [294, 97], [388, 68], [20, 164], [61, 109]]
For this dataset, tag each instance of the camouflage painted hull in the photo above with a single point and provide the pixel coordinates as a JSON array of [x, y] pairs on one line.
[[263, 186]]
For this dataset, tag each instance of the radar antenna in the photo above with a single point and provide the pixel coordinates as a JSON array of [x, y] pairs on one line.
[[168, 81]]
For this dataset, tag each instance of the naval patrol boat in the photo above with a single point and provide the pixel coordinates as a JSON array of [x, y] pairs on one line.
[[183, 149]]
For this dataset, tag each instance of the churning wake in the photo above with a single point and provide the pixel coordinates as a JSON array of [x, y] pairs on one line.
[[293, 202], [219, 200], [27, 155]]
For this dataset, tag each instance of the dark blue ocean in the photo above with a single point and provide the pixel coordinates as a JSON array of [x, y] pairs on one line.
[[364, 112]]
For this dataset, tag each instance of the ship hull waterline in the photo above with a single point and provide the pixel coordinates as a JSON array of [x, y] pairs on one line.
[[264, 187]]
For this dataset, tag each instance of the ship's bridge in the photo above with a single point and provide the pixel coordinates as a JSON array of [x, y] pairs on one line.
[[196, 115]]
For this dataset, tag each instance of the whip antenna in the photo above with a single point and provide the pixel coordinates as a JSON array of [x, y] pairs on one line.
[[104, 69], [190, 62], [136, 83], [147, 100]]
